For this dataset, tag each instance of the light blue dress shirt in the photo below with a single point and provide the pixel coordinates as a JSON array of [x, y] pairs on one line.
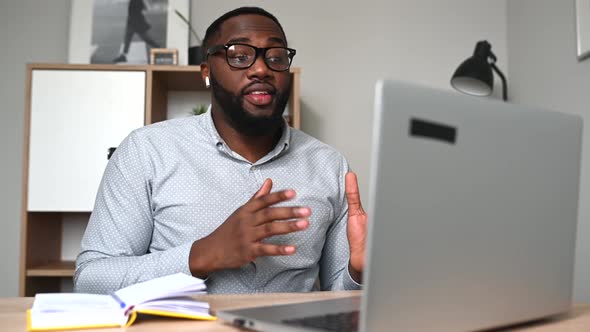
[[174, 182]]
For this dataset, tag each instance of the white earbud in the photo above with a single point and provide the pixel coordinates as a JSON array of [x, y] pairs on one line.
[[207, 84]]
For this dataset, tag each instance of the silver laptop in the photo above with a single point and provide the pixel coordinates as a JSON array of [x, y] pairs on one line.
[[473, 211]]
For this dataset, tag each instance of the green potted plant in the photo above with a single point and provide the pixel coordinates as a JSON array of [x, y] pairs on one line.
[[198, 110], [195, 55]]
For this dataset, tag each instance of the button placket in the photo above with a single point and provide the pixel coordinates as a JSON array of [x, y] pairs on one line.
[[259, 180]]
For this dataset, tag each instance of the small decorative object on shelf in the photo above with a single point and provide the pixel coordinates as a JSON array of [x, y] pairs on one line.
[[198, 110], [163, 56]]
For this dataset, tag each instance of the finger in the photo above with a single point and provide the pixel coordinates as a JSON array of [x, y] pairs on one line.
[[269, 199], [270, 214], [265, 249], [279, 228], [264, 190], [353, 197]]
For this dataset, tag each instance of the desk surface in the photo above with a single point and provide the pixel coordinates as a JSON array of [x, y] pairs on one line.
[[12, 314]]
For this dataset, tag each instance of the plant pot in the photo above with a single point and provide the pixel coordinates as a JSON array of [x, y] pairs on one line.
[[195, 55]]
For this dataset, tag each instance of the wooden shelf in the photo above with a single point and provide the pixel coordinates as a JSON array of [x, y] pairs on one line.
[[54, 269], [177, 78], [42, 267]]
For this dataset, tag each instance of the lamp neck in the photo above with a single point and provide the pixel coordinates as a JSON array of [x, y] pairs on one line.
[[504, 84]]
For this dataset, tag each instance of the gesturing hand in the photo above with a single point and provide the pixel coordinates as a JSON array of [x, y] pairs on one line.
[[356, 229], [238, 240]]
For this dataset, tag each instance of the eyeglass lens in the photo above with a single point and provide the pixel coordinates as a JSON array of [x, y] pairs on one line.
[[243, 56]]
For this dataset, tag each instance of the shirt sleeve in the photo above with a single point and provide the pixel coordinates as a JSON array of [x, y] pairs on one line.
[[334, 274], [115, 247]]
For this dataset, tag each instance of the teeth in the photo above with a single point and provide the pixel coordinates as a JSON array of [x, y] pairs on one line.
[[259, 92]]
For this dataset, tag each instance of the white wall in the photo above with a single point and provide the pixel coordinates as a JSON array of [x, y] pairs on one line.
[[343, 48], [30, 31], [544, 72]]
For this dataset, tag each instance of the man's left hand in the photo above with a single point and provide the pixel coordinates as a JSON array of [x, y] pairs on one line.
[[357, 227]]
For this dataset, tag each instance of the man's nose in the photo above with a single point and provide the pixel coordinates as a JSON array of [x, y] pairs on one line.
[[259, 68]]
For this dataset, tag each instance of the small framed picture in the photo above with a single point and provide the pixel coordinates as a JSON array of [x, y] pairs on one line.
[[163, 56]]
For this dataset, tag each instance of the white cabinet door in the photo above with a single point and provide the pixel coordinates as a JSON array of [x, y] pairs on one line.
[[76, 115]]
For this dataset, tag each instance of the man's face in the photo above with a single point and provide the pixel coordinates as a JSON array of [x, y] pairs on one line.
[[253, 99]]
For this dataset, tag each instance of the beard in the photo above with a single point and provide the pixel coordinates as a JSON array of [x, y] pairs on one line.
[[241, 120]]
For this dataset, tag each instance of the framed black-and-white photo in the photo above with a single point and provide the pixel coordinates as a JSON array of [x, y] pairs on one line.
[[124, 31], [163, 56], [583, 28]]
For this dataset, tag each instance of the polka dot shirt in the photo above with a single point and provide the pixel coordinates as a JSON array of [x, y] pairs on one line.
[[174, 182]]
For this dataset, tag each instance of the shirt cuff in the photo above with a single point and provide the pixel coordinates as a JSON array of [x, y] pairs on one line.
[[185, 249], [175, 260], [349, 283]]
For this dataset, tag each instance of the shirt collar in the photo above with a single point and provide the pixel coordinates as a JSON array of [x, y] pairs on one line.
[[210, 128], [281, 147]]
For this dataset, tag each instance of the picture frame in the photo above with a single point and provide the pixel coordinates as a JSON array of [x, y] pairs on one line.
[[81, 48], [583, 28], [163, 56]]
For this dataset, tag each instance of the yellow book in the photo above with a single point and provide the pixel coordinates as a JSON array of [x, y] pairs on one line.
[[168, 296]]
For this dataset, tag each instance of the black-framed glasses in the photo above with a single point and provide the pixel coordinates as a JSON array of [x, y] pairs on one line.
[[242, 56]]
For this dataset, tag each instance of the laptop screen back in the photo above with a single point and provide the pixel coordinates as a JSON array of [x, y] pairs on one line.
[[473, 211]]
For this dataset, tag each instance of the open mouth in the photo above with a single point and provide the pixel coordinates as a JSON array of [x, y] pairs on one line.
[[259, 98], [259, 94]]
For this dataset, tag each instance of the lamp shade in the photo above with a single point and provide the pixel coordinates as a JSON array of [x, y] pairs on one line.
[[474, 76]]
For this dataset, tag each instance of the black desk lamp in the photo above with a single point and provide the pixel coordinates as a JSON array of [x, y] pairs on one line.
[[474, 76]]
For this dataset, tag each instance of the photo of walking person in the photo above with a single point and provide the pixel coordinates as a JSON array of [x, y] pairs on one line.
[[124, 31]]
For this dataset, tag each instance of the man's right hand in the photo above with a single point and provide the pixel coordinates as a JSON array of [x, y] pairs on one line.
[[239, 240]]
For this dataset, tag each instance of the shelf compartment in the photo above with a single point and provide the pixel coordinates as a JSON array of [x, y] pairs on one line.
[[52, 269]]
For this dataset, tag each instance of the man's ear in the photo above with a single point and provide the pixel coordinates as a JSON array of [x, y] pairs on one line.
[[204, 70]]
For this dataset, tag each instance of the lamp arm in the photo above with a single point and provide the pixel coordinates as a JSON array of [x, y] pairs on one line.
[[504, 84]]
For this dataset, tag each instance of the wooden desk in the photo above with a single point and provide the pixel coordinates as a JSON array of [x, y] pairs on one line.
[[12, 314]]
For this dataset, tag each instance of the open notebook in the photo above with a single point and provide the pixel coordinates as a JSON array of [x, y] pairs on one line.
[[166, 296]]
